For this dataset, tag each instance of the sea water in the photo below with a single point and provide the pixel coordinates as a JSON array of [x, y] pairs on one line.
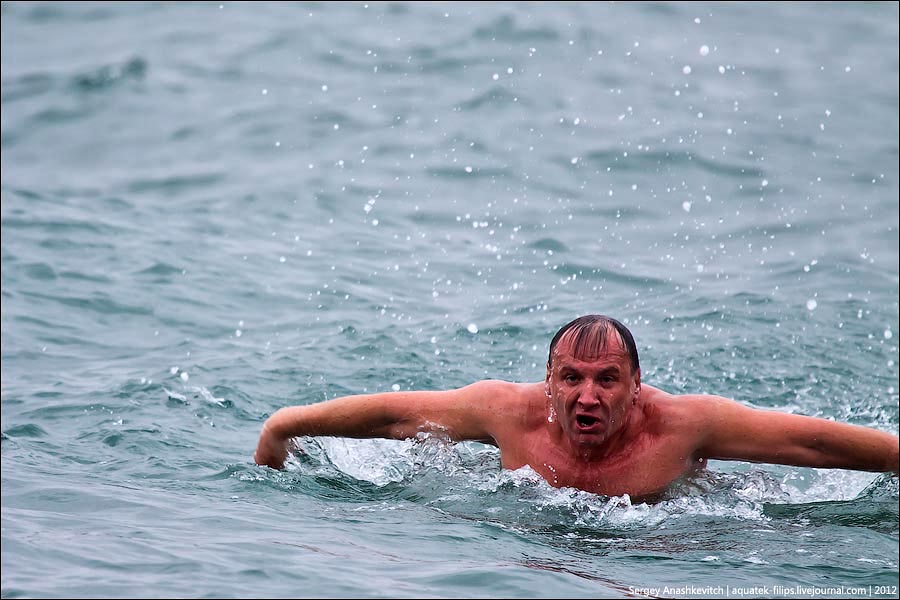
[[210, 211]]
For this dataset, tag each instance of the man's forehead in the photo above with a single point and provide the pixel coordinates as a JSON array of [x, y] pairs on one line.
[[613, 348]]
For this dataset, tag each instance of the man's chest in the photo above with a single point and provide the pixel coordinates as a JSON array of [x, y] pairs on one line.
[[643, 469]]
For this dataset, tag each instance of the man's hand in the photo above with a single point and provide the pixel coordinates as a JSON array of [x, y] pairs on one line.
[[272, 449]]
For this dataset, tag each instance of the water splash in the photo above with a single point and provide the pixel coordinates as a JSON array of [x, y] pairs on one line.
[[465, 479]]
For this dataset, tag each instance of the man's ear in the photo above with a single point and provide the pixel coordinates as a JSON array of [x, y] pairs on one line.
[[547, 381], [637, 384]]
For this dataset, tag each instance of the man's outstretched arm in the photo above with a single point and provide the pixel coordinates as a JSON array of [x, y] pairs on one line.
[[462, 414], [731, 431]]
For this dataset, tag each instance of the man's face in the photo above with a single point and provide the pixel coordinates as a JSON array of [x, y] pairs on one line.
[[591, 395]]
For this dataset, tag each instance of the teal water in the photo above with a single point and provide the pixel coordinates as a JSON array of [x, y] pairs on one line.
[[210, 211]]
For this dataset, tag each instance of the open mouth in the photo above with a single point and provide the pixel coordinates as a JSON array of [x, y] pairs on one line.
[[587, 421]]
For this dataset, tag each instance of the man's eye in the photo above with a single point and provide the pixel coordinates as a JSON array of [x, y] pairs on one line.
[[570, 378]]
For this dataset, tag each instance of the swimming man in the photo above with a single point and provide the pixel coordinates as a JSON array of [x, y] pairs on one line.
[[591, 424]]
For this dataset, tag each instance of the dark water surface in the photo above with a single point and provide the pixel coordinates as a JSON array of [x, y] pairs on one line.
[[211, 211]]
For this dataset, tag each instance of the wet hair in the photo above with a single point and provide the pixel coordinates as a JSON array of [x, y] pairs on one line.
[[590, 335]]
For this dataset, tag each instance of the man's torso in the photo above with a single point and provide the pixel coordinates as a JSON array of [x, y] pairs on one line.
[[657, 454]]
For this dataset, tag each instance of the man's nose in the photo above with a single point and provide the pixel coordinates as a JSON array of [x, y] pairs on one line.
[[589, 394]]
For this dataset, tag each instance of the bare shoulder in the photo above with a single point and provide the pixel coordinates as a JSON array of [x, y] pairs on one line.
[[680, 401], [496, 388], [506, 395], [516, 404], [674, 410]]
